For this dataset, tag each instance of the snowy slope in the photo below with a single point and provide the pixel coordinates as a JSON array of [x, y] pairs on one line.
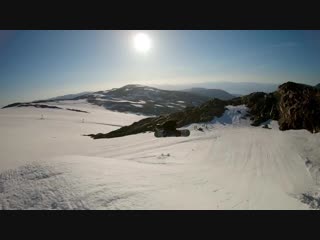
[[26, 137], [225, 167]]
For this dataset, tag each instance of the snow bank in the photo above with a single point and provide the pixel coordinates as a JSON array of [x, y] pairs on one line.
[[234, 115]]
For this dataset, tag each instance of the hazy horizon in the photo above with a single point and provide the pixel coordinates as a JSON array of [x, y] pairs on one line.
[[44, 64]]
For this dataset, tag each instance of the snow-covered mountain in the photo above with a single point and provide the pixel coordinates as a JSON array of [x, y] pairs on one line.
[[144, 100], [137, 99]]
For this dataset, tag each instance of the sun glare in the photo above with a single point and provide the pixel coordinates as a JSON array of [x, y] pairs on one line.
[[142, 42]]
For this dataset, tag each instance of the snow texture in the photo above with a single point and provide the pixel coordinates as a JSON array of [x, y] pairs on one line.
[[48, 164]]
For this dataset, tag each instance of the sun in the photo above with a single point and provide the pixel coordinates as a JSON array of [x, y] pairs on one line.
[[142, 42]]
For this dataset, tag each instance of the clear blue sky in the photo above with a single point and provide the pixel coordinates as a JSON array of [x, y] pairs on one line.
[[42, 64]]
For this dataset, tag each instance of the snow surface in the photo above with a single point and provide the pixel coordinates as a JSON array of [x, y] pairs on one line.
[[48, 164]]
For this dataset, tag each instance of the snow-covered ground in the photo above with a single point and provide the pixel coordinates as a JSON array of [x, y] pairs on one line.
[[48, 164]]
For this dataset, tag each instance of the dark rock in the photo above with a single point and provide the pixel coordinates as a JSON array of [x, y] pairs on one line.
[[295, 106], [38, 106], [262, 106], [169, 125], [266, 126], [204, 113], [12, 105], [77, 110], [299, 107]]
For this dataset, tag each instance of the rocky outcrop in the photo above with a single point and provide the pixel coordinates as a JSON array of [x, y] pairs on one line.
[[204, 113], [262, 106], [12, 105], [295, 106], [299, 107], [42, 106], [38, 106]]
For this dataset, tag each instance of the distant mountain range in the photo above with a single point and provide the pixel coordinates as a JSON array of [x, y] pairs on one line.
[[141, 99], [212, 93], [132, 98], [152, 101], [234, 88]]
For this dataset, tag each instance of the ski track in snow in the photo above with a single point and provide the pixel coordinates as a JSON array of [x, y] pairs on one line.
[[230, 165]]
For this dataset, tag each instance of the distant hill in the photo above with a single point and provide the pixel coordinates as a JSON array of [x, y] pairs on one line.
[[144, 100], [69, 96], [212, 93], [318, 86], [134, 98], [235, 88]]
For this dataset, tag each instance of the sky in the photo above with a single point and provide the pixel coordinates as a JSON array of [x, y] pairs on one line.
[[39, 64]]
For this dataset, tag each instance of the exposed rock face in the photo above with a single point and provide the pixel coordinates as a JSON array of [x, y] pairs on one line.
[[295, 106], [263, 106], [203, 113], [299, 107]]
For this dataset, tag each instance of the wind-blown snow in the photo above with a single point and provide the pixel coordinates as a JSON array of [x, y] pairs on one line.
[[48, 164]]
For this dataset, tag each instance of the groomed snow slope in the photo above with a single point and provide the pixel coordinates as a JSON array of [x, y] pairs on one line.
[[224, 167]]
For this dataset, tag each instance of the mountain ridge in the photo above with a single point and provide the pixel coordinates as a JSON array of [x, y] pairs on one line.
[[295, 106], [212, 93], [136, 98]]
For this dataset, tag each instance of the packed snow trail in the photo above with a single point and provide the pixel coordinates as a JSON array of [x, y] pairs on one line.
[[228, 166], [260, 171]]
